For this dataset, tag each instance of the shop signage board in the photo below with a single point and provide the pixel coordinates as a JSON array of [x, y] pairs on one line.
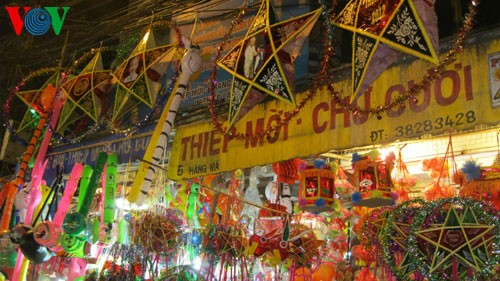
[[67, 156], [463, 98]]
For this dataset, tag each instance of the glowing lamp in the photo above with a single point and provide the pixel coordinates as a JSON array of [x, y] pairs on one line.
[[317, 189]]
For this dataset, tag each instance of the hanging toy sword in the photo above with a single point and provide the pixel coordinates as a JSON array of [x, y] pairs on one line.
[[190, 64]]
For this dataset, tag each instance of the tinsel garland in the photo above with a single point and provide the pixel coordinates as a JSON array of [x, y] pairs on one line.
[[402, 213], [427, 215]]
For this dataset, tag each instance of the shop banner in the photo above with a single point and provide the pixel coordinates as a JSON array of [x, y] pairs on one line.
[[128, 149], [463, 98]]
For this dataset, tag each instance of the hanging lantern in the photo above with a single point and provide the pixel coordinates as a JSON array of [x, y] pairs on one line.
[[482, 183], [317, 188], [372, 177]]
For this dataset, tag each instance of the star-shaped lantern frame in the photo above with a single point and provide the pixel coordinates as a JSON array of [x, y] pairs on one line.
[[453, 238], [262, 63], [138, 78], [32, 97], [393, 238], [384, 29], [86, 92]]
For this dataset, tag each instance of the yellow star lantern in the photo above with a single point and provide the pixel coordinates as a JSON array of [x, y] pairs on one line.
[[86, 93], [383, 30], [262, 63], [138, 77], [33, 99]]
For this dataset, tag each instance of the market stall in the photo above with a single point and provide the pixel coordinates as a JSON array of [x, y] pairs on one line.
[[390, 174]]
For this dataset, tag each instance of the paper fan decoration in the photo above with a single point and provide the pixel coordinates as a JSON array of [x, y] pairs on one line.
[[86, 93], [385, 29], [32, 98], [138, 78], [262, 63]]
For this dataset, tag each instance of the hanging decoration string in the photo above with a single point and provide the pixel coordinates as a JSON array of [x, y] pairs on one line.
[[323, 77]]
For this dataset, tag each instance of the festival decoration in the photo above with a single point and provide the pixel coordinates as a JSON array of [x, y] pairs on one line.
[[53, 104], [442, 170], [325, 272], [372, 177], [287, 171], [137, 79], [84, 183], [51, 101], [47, 233], [455, 239], [9, 190], [412, 93], [191, 63], [323, 75], [369, 233], [317, 188], [262, 63], [482, 183], [294, 244], [193, 206], [224, 244], [24, 235], [35, 99], [402, 179], [86, 92], [158, 231], [393, 239], [342, 185], [303, 247], [123, 262], [384, 29]]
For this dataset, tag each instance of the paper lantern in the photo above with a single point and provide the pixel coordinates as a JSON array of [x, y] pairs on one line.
[[317, 189], [372, 177], [486, 187]]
